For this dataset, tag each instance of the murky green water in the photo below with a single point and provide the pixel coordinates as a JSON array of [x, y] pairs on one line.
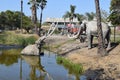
[[14, 66]]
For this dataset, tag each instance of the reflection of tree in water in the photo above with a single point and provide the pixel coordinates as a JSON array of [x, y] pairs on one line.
[[9, 57], [33, 74], [35, 64]]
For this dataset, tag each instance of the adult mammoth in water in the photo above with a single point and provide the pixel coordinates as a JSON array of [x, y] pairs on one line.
[[91, 31]]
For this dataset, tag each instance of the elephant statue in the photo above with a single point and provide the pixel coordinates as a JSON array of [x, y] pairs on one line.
[[91, 31]]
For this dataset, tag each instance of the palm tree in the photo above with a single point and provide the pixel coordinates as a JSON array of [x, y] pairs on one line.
[[80, 17], [90, 16], [35, 5], [101, 47], [34, 12], [70, 14], [42, 6]]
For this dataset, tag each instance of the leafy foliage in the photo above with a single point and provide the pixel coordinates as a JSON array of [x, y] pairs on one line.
[[35, 4], [115, 18], [90, 16], [80, 17], [115, 5], [104, 15], [115, 12], [11, 20], [70, 14]]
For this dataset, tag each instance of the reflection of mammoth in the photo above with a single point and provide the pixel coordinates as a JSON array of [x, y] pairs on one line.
[[91, 31], [35, 64]]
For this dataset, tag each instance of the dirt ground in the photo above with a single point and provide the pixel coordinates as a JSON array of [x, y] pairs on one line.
[[95, 67]]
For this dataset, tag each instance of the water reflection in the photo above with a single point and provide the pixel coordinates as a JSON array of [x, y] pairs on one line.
[[35, 64], [20, 67], [9, 57], [9, 64]]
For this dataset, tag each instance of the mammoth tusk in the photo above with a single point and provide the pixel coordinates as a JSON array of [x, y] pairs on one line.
[[74, 36]]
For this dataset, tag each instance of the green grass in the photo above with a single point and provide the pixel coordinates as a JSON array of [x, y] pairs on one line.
[[76, 69], [117, 32], [11, 38], [117, 39]]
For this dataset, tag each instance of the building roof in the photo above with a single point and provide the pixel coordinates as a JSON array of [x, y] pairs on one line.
[[60, 20]]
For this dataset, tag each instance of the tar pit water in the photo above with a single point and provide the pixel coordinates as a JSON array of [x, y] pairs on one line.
[[14, 66]]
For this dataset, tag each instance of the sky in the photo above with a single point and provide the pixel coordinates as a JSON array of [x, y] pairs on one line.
[[55, 8]]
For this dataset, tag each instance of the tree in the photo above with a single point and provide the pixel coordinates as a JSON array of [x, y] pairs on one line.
[[70, 14], [115, 5], [101, 47], [17, 19], [80, 17], [90, 16], [42, 6], [11, 20], [2, 20], [104, 15], [35, 5], [115, 12], [34, 12], [27, 25]]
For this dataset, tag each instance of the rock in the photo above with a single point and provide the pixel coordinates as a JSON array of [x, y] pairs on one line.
[[30, 50], [97, 74]]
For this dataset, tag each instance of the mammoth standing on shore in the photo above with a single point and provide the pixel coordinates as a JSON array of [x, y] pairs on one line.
[[91, 31]]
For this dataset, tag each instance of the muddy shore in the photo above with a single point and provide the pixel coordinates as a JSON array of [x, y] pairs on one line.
[[96, 67]]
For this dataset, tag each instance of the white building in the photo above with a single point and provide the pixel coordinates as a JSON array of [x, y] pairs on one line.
[[60, 20]]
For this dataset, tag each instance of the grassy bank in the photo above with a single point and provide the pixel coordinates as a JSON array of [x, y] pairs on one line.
[[11, 38], [76, 69]]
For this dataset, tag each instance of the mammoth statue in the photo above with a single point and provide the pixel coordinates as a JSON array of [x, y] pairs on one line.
[[91, 31]]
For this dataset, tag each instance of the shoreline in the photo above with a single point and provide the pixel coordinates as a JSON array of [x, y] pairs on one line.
[[107, 66], [5, 46]]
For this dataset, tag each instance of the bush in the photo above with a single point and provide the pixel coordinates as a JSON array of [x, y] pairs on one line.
[[26, 41], [30, 40]]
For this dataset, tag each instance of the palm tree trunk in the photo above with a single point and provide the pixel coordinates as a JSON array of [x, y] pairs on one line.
[[40, 22], [34, 17], [101, 47], [21, 15]]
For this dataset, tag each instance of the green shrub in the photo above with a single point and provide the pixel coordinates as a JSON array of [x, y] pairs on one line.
[[30, 40], [21, 41], [26, 41]]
